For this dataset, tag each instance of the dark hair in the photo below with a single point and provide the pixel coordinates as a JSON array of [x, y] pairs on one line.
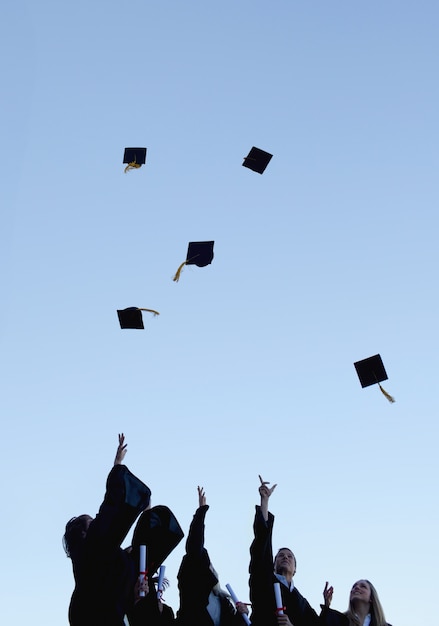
[[289, 550], [76, 529]]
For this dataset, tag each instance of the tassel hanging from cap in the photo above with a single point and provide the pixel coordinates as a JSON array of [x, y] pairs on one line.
[[178, 272], [387, 395], [151, 311], [132, 166]]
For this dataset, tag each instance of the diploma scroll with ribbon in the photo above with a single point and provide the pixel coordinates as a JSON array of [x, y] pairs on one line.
[[235, 600], [142, 568], [279, 604]]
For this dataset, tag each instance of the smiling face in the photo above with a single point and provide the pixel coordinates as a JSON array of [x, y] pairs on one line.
[[285, 563], [360, 591]]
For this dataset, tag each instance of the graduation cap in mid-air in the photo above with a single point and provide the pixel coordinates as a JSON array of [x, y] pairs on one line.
[[157, 529], [371, 371], [199, 253], [257, 160], [132, 317], [134, 157]]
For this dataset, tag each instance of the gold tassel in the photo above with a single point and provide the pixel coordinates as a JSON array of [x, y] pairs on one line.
[[132, 166], [388, 396], [151, 311], [178, 272]]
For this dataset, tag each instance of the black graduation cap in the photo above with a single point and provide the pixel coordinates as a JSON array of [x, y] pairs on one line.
[[134, 157], [199, 253], [371, 371], [158, 529], [257, 160], [132, 317]]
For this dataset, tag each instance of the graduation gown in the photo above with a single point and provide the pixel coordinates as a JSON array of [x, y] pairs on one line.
[[196, 581], [145, 612], [104, 573], [262, 578], [158, 529], [331, 617]]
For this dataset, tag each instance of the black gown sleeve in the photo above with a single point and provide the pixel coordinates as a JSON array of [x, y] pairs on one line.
[[261, 561], [195, 538], [299, 609], [330, 617], [125, 498]]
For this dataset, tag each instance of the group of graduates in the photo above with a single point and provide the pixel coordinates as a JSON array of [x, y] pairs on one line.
[[111, 589]]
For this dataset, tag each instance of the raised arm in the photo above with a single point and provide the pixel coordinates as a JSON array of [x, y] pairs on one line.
[[126, 496], [261, 556], [195, 538]]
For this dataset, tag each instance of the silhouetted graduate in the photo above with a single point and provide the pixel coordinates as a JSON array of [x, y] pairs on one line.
[[159, 531], [202, 601], [104, 573]]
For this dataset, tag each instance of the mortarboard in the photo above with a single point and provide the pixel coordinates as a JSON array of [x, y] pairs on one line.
[[257, 160], [199, 253], [132, 317], [158, 529], [371, 371], [134, 157]]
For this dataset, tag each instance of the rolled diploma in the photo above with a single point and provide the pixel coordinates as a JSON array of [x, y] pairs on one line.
[[235, 600], [278, 596], [142, 568], [160, 581]]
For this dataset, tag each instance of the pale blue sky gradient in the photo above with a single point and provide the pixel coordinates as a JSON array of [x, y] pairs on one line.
[[330, 257]]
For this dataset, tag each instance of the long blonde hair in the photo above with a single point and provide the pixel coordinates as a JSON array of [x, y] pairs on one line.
[[376, 610]]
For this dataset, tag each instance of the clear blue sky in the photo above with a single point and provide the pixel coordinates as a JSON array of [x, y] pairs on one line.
[[329, 257]]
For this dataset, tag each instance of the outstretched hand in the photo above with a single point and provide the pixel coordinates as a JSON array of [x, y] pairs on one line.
[[121, 450], [264, 490], [201, 496], [327, 594]]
